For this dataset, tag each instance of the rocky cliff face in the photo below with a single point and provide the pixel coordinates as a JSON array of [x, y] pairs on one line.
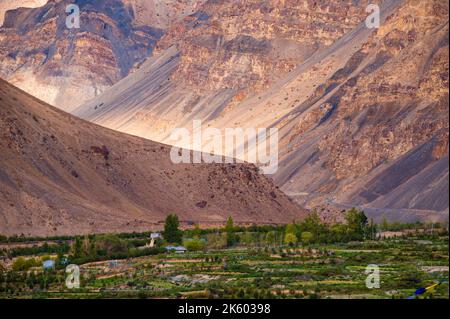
[[220, 56], [161, 14], [362, 112], [64, 66], [245, 45], [381, 121], [6, 5]]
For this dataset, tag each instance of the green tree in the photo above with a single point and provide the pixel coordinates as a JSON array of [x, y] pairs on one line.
[[314, 225], [171, 232], [372, 230], [357, 224], [291, 229], [197, 231], [290, 239], [217, 241], [229, 226], [384, 224], [338, 232], [248, 238], [290, 236], [270, 238], [77, 246], [86, 246], [229, 230], [306, 237], [22, 264], [111, 245], [93, 248]]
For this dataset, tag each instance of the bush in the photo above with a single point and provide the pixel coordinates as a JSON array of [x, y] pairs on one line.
[[306, 237], [22, 264], [111, 244], [36, 250], [271, 237], [194, 244], [290, 239]]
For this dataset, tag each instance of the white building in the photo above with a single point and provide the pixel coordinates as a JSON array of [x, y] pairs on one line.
[[153, 237]]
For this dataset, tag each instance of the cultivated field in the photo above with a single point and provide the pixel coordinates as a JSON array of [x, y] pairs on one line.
[[249, 271]]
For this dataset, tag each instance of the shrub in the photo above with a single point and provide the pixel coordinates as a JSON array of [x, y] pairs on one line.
[[22, 264], [306, 237], [194, 244], [290, 239], [271, 238]]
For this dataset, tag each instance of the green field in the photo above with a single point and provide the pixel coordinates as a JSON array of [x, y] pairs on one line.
[[249, 271]]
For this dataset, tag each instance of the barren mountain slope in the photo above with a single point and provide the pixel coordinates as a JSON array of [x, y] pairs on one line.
[[218, 57], [376, 133], [350, 114], [62, 175], [66, 67]]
